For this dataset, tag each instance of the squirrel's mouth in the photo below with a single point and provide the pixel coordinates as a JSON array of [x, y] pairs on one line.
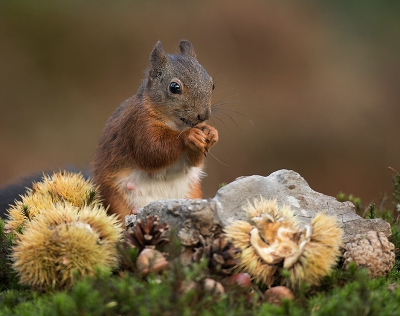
[[187, 122]]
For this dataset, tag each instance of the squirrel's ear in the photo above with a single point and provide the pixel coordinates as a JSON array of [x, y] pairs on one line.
[[187, 48], [158, 57]]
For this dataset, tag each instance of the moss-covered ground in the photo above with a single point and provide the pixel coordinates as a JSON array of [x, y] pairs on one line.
[[118, 292]]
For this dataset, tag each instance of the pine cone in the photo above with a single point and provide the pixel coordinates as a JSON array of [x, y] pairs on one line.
[[221, 255], [372, 251], [148, 235]]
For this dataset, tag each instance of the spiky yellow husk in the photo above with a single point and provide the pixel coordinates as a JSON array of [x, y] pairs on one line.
[[63, 243], [262, 206], [249, 261], [320, 254], [239, 232], [61, 187], [271, 236]]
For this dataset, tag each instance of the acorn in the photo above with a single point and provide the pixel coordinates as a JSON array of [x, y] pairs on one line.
[[63, 243], [62, 187], [240, 279], [277, 294], [151, 260], [188, 285], [213, 287]]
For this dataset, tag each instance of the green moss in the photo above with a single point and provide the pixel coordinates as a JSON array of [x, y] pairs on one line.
[[130, 295], [8, 278], [350, 292], [364, 296]]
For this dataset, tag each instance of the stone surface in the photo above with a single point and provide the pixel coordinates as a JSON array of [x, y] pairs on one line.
[[289, 188], [195, 221]]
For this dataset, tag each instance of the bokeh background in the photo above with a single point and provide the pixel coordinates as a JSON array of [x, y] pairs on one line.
[[312, 86]]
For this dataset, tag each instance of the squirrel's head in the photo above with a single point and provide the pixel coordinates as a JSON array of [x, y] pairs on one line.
[[178, 87]]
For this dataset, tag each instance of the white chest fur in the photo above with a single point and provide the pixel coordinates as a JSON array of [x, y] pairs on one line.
[[174, 182]]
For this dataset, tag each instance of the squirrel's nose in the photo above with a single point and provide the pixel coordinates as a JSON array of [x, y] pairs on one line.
[[204, 116]]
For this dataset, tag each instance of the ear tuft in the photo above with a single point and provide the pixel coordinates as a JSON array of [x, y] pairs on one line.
[[158, 57], [186, 48]]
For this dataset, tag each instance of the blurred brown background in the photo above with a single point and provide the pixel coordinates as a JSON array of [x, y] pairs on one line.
[[313, 86]]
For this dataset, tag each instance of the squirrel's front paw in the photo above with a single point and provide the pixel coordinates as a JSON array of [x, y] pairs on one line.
[[210, 132], [196, 140], [202, 137]]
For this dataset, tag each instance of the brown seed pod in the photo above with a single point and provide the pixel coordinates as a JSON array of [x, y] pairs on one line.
[[221, 255], [214, 287], [150, 234], [372, 251], [276, 294], [241, 279], [151, 260]]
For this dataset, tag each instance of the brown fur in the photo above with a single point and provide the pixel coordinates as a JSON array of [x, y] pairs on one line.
[[195, 191], [155, 128]]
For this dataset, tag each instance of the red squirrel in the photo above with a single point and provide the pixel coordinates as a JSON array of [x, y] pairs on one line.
[[154, 145]]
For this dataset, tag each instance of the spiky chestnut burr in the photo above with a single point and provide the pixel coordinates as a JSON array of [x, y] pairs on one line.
[[249, 260], [221, 255], [61, 187], [262, 206], [271, 238], [65, 242], [319, 251], [150, 234], [372, 251]]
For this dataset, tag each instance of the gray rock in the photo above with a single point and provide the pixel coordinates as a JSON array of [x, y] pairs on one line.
[[195, 221], [289, 188]]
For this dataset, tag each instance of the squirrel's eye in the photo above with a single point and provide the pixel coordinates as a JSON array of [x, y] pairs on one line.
[[175, 88]]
